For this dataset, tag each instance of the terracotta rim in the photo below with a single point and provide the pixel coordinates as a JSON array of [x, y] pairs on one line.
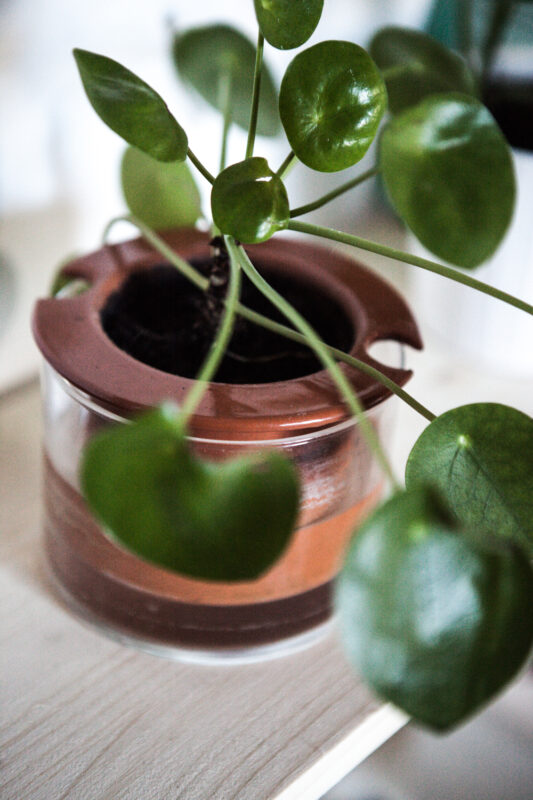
[[70, 337]]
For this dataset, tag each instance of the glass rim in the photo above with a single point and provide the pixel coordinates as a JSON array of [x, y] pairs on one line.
[[92, 404]]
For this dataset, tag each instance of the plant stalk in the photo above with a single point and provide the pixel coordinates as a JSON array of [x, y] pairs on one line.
[[297, 212], [316, 343], [340, 355], [218, 346], [224, 92], [162, 247], [252, 127], [200, 167], [408, 258], [500, 17], [287, 165]]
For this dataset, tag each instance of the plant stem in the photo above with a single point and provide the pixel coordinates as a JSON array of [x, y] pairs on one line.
[[295, 336], [321, 350], [199, 166], [219, 344], [253, 316], [408, 258], [501, 14], [162, 247], [224, 92], [287, 164], [464, 22], [297, 212], [252, 127]]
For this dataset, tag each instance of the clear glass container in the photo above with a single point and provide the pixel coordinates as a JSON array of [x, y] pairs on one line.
[[169, 614]]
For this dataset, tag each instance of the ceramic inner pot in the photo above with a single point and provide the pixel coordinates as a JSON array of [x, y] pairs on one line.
[[90, 383]]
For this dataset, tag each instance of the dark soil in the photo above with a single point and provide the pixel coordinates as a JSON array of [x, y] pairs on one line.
[[161, 319]]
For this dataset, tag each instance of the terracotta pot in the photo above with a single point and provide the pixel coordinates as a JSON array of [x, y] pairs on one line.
[[90, 382]]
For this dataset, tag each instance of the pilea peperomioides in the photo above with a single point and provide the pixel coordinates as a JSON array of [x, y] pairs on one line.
[[435, 598]]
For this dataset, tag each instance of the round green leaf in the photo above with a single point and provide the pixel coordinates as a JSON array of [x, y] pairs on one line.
[[416, 66], [222, 522], [331, 100], [249, 201], [449, 174], [480, 457], [161, 195], [287, 23], [434, 619], [204, 57], [130, 107]]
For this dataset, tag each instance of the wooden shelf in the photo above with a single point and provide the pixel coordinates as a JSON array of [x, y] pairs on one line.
[[84, 717]]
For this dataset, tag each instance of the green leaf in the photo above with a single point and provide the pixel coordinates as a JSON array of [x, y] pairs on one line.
[[416, 66], [205, 56], [480, 457], [434, 619], [223, 522], [249, 201], [160, 195], [130, 107], [287, 23], [331, 100], [449, 174]]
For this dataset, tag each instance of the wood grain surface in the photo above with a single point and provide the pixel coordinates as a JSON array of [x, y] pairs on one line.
[[85, 718]]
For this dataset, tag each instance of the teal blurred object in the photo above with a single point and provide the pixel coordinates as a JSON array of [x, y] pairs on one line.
[[447, 22]]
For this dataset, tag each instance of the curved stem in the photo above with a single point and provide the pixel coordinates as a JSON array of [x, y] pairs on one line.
[[253, 316], [295, 336], [408, 258], [252, 127], [224, 91], [162, 247], [287, 165], [321, 351], [219, 344], [199, 166], [499, 19], [297, 212]]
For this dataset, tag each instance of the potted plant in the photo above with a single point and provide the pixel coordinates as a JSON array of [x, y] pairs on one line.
[[435, 594]]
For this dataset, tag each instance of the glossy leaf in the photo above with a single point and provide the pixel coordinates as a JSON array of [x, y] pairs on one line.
[[130, 107], [416, 66], [331, 100], [161, 195], [205, 56], [449, 174], [436, 620], [249, 201], [222, 522], [480, 457], [287, 23]]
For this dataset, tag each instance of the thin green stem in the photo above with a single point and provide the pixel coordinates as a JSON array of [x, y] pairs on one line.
[[295, 336], [252, 127], [464, 23], [219, 344], [321, 350], [199, 166], [287, 165], [224, 92], [408, 258], [162, 247], [253, 316], [500, 17], [345, 187]]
